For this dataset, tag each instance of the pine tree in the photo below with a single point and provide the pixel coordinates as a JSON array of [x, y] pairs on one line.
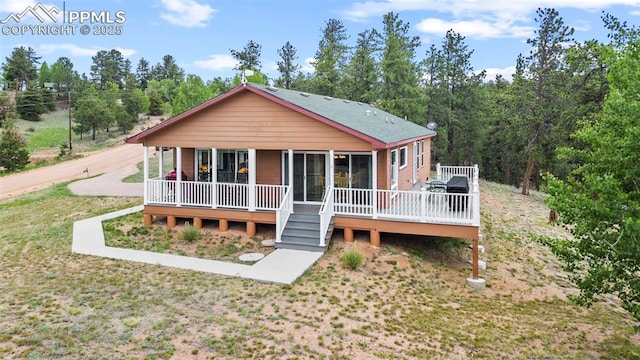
[[13, 148]]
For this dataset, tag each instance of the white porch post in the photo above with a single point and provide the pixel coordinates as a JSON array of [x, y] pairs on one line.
[[214, 178], [178, 176], [290, 154], [252, 179], [161, 163], [145, 172], [329, 179], [438, 172], [374, 183]]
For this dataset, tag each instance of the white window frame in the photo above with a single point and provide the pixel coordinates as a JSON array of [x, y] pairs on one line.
[[394, 168], [404, 150]]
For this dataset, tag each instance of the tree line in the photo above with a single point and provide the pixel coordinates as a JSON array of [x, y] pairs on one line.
[[511, 127]]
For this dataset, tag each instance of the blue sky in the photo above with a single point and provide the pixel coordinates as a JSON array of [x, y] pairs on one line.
[[199, 33]]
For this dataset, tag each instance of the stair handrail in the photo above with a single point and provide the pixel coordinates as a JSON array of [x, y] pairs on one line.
[[326, 214], [283, 212]]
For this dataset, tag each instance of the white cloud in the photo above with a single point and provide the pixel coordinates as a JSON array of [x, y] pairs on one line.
[[217, 62], [507, 73], [475, 18], [309, 65], [75, 50], [187, 13], [477, 29]]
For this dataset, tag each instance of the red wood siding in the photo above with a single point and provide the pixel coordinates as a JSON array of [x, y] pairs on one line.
[[251, 121]]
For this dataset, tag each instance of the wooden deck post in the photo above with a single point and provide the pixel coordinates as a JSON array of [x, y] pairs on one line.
[[348, 235], [197, 222], [171, 221], [223, 225], [251, 228], [148, 220], [374, 237]]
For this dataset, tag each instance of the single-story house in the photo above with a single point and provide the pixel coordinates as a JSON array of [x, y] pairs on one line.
[[307, 164]]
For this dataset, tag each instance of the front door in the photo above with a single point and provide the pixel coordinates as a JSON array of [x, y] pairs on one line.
[[309, 171]]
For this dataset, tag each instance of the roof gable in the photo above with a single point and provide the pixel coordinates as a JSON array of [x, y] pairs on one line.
[[364, 121]]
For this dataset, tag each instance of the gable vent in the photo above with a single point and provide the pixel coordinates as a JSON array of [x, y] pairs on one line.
[[304, 94]]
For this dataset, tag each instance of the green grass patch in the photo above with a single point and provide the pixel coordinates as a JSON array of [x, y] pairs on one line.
[[352, 259]]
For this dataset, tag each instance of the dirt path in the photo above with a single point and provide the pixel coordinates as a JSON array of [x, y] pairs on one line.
[[111, 159], [99, 162]]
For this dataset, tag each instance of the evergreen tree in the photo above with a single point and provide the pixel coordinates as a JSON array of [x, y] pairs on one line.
[[30, 104], [400, 93], [6, 107], [545, 63], [361, 74], [455, 100], [20, 68], [168, 69], [44, 75], [143, 74], [330, 60], [62, 74], [287, 66], [108, 66], [92, 112], [13, 148], [249, 57]]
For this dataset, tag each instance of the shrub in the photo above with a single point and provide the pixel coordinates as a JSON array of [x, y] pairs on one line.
[[190, 233], [352, 259]]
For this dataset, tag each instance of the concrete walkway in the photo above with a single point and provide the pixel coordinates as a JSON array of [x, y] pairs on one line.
[[282, 266]]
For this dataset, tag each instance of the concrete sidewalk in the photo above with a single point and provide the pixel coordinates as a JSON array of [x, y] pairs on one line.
[[282, 266]]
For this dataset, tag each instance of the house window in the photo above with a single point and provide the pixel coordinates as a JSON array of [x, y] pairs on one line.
[[203, 164], [403, 157], [233, 166], [394, 169], [422, 153], [352, 170]]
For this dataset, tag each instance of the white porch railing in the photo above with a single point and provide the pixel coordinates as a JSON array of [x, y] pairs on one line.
[[226, 195], [446, 172], [326, 214], [283, 212], [415, 206]]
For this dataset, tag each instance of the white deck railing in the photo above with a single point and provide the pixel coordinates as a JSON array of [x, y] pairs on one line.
[[414, 206], [326, 214], [446, 172], [283, 212], [226, 195]]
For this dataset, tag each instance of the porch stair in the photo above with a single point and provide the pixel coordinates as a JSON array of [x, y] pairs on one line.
[[302, 232]]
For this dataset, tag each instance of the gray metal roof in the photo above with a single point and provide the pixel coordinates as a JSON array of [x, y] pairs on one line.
[[361, 117]]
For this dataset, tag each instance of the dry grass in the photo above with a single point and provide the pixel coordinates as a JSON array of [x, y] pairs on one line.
[[407, 301]]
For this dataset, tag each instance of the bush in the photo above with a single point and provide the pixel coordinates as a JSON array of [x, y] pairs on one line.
[[190, 234], [352, 259], [13, 148]]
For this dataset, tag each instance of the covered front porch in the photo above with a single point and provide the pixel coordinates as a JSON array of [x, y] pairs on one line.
[[346, 192]]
